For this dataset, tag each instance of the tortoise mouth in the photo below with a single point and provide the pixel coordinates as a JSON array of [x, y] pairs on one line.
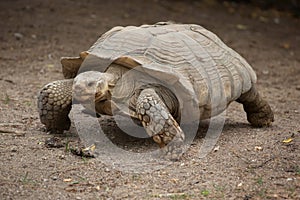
[[100, 97], [90, 98]]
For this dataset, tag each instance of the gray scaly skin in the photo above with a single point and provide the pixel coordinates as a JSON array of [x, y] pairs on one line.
[[259, 112], [54, 105], [159, 123]]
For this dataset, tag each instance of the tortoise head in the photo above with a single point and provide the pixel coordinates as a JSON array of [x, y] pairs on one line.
[[93, 87]]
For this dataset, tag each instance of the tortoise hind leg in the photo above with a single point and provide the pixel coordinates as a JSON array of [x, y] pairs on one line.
[[160, 124], [54, 104], [258, 110]]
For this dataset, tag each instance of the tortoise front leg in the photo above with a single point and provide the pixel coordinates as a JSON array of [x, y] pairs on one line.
[[160, 124], [54, 104], [259, 112]]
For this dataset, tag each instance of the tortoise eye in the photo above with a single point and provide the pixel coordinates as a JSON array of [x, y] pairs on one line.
[[90, 84]]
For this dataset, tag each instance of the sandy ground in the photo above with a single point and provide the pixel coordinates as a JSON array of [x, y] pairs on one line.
[[250, 163]]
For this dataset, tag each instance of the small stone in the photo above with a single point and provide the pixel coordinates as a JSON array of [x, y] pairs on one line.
[[265, 72], [298, 87], [18, 36], [258, 148], [276, 20], [54, 178], [216, 148]]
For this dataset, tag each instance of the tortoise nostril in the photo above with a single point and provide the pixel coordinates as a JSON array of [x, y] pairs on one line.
[[77, 88]]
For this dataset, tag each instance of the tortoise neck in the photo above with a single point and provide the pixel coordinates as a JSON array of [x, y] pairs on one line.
[[115, 72]]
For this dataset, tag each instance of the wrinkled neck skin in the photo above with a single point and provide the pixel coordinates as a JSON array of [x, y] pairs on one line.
[[112, 75]]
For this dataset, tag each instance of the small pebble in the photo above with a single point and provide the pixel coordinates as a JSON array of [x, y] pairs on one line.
[[298, 87], [18, 36], [265, 72], [276, 20], [54, 178], [217, 148]]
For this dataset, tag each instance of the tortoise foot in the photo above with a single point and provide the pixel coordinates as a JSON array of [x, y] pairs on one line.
[[259, 112], [160, 124], [54, 104], [263, 117]]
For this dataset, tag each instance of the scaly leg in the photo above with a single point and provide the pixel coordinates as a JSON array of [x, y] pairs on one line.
[[258, 110], [160, 124], [54, 104]]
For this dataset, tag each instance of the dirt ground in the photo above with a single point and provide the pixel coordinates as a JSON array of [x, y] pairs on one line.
[[250, 163]]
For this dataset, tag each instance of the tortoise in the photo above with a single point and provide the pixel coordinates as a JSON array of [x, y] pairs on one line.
[[195, 75]]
